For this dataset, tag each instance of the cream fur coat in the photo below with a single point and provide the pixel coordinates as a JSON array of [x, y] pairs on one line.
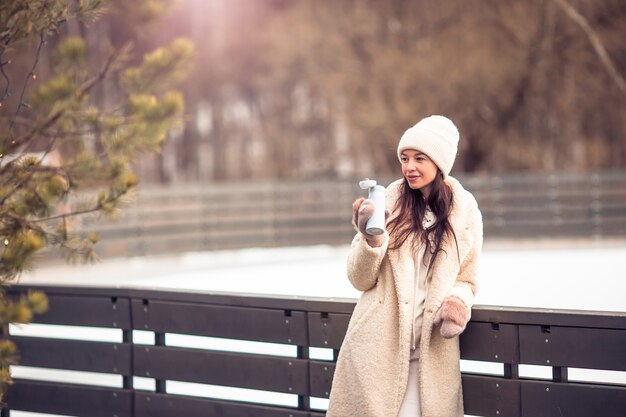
[[372, 369]]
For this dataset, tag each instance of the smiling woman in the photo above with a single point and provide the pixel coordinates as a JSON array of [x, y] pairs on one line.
[[419, 170], [418, 282]]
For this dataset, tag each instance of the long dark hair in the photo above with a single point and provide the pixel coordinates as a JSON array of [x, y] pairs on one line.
[[411, 206]]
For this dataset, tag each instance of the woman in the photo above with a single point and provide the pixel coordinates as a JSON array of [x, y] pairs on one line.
[[400, 356]]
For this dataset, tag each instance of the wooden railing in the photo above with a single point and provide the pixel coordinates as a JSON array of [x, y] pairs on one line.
[[311, 330], [223, 216]]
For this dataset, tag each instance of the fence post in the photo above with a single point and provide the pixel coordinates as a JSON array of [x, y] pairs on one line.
[[159, 340], [304, 401], [127, 380]]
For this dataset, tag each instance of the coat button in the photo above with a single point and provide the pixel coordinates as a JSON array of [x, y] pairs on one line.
[[406, 302]]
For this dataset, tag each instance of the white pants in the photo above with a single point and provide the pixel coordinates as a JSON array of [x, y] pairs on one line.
[[411, 404]]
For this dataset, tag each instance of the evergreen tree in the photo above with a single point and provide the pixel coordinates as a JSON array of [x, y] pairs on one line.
[[64, 154]]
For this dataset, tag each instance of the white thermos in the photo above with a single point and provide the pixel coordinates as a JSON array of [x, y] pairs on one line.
[[376, 224]]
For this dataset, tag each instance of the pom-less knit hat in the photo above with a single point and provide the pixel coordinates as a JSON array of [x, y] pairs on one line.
[[437, 137]]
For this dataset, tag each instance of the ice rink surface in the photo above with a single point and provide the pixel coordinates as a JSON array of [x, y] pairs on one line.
[[585, 275]]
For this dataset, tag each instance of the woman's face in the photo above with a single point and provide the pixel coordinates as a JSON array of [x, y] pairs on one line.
[[418, 169]]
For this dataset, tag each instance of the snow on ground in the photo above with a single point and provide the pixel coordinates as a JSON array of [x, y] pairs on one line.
[[587, 275]]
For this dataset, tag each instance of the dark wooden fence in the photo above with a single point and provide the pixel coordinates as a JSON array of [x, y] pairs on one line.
[[223, 216], [509, 338]]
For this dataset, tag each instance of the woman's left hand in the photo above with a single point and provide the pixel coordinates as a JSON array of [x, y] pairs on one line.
[[453, 316]]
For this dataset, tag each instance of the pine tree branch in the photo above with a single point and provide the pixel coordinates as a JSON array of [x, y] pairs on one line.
[[126, 121], [31, 172], [47, 169], [26, 224], [21, 184], [54, 117], [64, 245], [7, 88], [67, 215], [89, 85], [29, 77], [596, 43], [8, 36], [49, 122]]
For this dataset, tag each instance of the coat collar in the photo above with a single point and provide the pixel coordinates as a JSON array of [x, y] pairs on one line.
[[447, 265]]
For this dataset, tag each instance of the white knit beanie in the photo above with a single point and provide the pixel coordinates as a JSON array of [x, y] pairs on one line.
[[437, 137]]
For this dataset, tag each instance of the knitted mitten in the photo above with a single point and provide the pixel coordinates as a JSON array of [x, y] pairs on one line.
[[453, 316]]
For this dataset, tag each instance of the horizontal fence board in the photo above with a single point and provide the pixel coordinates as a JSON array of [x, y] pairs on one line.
[[264, 325], [547, 399], [536, 231], [68, 399], [491, 396], [84, 311], [266, 206], [270, 373], [271, 302], [74, 354], [490, 342], [221, 228], [327, 330], [162, 405], [321, 378], [540, 316], [573, 347]]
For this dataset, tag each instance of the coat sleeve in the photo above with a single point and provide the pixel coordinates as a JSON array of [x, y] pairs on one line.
[[465, 285], [364, 262]]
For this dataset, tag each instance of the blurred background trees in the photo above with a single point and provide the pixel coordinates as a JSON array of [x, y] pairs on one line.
[[300, 89], [291, 90]]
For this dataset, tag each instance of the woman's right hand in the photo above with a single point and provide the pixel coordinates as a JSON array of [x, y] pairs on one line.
[[362, 211]]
